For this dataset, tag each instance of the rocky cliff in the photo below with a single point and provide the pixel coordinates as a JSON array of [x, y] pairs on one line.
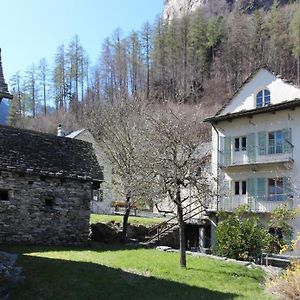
[[178, 8]]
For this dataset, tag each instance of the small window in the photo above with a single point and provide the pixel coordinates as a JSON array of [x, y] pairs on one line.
[[240, 144], [98, 195], [4, 195], [240, 187], [263, 98], [49, 202], [244, 187], [237, 188]]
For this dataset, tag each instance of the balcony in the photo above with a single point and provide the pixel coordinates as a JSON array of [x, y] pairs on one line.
[[254, 157], [258, 204]]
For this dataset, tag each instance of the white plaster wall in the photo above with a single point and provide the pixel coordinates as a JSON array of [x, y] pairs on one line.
[[105, 205], [246, 97], [265, 122]]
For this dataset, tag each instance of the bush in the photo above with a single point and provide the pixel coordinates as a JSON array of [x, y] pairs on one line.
[[287, 286], [241, 236]]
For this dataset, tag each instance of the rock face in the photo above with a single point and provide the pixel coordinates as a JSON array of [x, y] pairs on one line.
[[178, 8]]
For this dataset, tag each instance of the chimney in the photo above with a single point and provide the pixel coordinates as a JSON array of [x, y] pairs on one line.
[[60, 131], [4, 93]]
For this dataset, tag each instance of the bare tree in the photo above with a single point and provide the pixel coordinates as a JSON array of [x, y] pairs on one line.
[[175, 154], [118, 129]]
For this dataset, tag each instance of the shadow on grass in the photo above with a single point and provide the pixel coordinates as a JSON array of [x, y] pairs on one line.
[[59, 279]]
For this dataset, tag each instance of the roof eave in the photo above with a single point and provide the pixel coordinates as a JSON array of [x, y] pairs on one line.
[[272, 108]]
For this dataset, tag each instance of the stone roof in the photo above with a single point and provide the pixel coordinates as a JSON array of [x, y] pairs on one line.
[[46, 154], [4, 93]]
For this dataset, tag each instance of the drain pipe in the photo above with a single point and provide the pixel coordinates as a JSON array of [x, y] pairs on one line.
[[218, 152]]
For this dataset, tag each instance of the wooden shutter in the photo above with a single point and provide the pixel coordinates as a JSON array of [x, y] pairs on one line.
[[227, 150], [251, 192], [261, 188], [287, 140], [287, 190], [262, 143], [251, 150]]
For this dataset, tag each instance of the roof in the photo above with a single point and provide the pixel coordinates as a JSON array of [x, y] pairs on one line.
[[46, 154], [4, 93], [250, 77], [248, 113], [74, 134]]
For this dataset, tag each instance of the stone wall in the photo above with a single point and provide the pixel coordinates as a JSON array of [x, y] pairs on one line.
[[43, 210]]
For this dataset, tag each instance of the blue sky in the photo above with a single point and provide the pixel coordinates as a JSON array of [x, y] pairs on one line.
[[32, 29]]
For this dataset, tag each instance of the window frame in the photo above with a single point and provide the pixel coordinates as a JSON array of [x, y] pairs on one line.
[[241, 147], [265, 98], [240, 187], [276, 145], [278, 194]]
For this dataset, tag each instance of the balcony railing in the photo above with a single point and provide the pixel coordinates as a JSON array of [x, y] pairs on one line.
[[256, 155], [261, 204]]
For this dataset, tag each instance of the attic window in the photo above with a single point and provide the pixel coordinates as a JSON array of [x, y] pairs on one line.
[[263, 98], [4, 195]]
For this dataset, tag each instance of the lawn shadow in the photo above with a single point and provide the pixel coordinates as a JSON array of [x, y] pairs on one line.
[[57, 279]]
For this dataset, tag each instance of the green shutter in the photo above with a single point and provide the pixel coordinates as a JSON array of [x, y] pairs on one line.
[[227, 150], [251, 192], [261, 188], [287, 186], [251, 151], [262, 143], [287, 140]]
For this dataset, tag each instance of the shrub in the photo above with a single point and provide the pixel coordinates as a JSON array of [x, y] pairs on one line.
[[240, 235], [287, 286]]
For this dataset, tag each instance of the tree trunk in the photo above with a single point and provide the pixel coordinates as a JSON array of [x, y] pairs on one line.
[[125, 220], [182, 246]]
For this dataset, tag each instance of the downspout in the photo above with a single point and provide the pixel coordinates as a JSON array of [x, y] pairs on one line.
[[218, 152]]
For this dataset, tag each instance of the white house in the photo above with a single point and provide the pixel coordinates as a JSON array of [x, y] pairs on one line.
[[101, 201], [255, 141]]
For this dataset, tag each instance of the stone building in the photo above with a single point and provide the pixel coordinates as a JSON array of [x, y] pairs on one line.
[[46, 184]]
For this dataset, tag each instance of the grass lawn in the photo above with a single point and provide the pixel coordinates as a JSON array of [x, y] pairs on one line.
[[119, 273], [132, 220]]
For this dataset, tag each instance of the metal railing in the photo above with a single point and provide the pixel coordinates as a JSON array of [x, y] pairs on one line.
[[265, 203], [271, 154]]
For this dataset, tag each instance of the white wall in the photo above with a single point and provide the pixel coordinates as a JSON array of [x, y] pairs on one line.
[[264, 122], [245, 99]]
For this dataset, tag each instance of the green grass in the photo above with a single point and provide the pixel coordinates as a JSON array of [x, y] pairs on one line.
[[132, 220], [119, 273]]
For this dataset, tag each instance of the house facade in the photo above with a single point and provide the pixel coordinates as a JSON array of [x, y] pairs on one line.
[[102, 199], [46, 184], [255, 142]]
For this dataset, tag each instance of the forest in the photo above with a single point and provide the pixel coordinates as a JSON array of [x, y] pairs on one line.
[[197, 59]]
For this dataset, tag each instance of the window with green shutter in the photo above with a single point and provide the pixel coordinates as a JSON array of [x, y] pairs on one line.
[[261, 188], [227, 150], [262, 143], [251, 149], [287, 140]]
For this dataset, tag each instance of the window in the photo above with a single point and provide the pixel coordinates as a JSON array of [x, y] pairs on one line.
[[240, 144], [240, 187], [275, 189], [275, 140], [4, 195], [98, 195], [263, 98]]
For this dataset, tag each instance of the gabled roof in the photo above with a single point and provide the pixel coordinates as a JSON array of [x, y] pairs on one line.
[[249, 78], [248, 113], [46, 154], [74, 134], [4, 93]]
